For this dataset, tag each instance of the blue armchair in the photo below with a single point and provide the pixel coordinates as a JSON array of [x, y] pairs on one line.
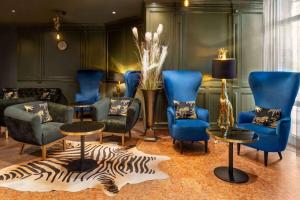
[[183, 86], [132, 80], [89, 86], [89, 81], [276, 90]]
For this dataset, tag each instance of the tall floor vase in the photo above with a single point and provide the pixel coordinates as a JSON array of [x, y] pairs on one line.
[[150, 97]]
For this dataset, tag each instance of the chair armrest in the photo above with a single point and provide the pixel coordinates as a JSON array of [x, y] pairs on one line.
[[60, 113], [202, 114], [283, 130], [23, 126], [100, 109], [133, 113], [171, 117], [246, 117]]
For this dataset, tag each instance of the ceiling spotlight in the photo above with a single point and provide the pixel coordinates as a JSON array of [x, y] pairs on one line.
[[13, 11], [186, 3], [114, 12]]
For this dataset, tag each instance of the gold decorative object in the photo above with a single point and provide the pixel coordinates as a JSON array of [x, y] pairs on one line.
[[224, 68], [152, 54], [118, 89]]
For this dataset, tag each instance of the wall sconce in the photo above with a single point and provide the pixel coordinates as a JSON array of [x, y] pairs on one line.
[[58, 36], [57, 23]]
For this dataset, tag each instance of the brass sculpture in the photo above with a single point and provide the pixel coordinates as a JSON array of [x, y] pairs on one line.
[[225, 119]]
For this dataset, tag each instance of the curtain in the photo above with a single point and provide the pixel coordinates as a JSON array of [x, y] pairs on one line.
[[282, 47]]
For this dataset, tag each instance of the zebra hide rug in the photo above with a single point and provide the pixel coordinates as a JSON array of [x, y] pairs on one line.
[[117, 166]]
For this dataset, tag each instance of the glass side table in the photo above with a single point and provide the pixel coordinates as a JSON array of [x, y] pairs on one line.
[[233, 135]]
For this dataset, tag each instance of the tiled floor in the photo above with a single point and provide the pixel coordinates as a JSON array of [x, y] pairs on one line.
[[191, 173]]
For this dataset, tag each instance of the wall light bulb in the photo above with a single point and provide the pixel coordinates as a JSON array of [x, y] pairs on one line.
[[58, 36], [186, 3]]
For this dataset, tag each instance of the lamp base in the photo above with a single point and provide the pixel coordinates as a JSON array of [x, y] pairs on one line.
[[225, 119]]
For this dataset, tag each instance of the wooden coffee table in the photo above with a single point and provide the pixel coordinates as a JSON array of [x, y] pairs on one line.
[[82, 129], [233, 135]]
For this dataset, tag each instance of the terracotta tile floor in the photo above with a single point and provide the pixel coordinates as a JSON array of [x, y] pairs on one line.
[[191, 173]]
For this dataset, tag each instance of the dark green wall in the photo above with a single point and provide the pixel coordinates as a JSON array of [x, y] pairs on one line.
[[30, 58], [194, 34]]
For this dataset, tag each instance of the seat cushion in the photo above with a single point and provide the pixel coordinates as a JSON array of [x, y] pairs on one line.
[[51, 132], [190, 130], [116, 124], [259, 129]]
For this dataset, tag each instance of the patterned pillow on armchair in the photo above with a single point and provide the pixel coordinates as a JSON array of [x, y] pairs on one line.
[[266, 117], [185, 110], [119, 107]]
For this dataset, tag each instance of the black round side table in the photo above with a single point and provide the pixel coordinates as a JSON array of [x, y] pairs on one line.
[[233, 135], [82, 129], [81, 106]]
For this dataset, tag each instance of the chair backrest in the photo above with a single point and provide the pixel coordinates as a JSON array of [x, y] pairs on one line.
[[276, 90], [132, 81], [89, 82], [181, 85]]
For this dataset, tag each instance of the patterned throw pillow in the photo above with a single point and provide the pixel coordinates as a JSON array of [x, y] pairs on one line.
[[41, 110], [119, 107], [185, 110], [48, 94], [10, 94], [266, 117]]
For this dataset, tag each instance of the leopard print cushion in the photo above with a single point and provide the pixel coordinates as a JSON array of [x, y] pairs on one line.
[[119, 107], [185, 110], [40, 109], [266, 117]]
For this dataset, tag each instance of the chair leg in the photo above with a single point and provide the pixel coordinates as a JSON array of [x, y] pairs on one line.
[[181, 147], [22, 149], [206, 146], [280, 155], [174, 141], [101, 137], [238, 149], [64, 145], [266, 158], [44, 152], [6, 133], [123, 139], [129, 134]]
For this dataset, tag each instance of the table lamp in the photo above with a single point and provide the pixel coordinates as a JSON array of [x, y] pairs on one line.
[[224, 68], [119, 79]]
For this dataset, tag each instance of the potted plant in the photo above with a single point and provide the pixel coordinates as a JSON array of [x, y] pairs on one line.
[[152, 54]]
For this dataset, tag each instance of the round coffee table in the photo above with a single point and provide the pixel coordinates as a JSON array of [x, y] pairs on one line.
[[233, 135], [82, 129]]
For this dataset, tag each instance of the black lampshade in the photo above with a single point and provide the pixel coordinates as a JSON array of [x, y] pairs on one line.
[[224, 69]]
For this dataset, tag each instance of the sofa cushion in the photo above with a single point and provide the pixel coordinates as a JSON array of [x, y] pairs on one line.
[[40, 109], [10, 93], [259, 129], [51, 132], [190, 130]]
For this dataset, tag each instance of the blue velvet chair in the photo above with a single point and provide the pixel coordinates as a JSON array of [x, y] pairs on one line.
[[89, 86], [89, 81], [183, 86], [132, 80], [276, 90]]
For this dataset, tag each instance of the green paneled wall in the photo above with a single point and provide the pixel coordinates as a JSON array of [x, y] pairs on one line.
[[195, 34], [42, 64]]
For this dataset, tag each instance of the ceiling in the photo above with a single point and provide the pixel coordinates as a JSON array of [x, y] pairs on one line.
[[78, 11]]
